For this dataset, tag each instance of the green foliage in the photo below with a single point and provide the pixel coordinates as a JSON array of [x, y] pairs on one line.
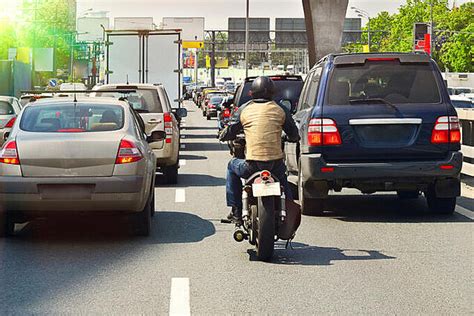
[[453, 32]]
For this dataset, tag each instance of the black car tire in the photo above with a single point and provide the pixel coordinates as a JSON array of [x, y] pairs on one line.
[[170, 173], [438, 205], [408, 195], [309, 206], [7, 225], [208, 116], [203, 113], [143, 218]]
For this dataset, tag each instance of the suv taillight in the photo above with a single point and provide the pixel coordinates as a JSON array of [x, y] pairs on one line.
[[323, 132], [10, 122], [127, 153], [168, 127], [9, 154], [446, 130]]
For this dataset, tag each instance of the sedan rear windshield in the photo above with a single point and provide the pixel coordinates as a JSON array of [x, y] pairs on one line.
[[216, 100], [387, 81], [6, 108], [70, 118], [143, 101]]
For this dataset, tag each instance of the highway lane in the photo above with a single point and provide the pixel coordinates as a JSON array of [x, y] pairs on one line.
[[371, 254]]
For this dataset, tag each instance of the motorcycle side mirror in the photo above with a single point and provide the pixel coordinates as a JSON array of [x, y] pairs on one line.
[[180, 112], [287, 104], [156, 136]]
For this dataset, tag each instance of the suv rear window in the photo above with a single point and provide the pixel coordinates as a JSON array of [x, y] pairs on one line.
[[285, 90], [69, 118], [143, 101], [6, 108], [389, 81]]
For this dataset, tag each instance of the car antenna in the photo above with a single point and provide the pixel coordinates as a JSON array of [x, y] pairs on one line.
[[73, 84], [127, 80]]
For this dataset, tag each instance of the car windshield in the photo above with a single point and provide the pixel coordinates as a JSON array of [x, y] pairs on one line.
[[284, 90], [389, 82], [64, 118], [143, 100], [6, 108]]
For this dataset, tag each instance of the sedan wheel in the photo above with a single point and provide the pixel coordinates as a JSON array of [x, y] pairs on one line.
[[143, 219]]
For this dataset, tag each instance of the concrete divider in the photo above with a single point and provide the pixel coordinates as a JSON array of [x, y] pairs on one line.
[[466, 117]]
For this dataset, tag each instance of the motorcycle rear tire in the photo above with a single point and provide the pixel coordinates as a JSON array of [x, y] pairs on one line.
[[266, 228]]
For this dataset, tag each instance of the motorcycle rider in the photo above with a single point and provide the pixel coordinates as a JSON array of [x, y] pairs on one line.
[[262, 121]]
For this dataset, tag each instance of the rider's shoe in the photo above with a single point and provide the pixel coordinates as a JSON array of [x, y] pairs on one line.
[[235, 216]]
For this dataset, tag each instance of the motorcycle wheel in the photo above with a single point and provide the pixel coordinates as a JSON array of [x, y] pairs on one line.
[[254, 223], [266, 228]]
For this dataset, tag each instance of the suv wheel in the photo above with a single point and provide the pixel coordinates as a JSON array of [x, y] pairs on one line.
[[440, 205], [309, 206], [407, 195], [170, 174]]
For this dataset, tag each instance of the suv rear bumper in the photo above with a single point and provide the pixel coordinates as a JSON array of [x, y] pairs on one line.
[[371, 177]]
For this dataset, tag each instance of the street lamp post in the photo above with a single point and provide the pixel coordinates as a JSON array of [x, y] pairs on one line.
[[364, 14]]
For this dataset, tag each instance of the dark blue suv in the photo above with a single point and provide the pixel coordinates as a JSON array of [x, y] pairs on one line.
[[376, 122]]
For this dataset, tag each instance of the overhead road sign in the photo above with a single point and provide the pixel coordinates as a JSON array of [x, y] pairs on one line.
[[192, 30], [134, 23]]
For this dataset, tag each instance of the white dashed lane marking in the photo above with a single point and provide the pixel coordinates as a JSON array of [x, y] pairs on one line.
[[182, 162], [180, 196], [465, 212], [179, 298]]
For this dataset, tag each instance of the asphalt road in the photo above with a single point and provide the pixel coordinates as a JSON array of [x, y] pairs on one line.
[[370, 255]]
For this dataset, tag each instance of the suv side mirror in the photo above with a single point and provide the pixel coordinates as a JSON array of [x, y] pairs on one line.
[[180, 112], [156, 136], [6, 135]]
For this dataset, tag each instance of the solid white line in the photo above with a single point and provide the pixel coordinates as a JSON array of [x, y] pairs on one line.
[[179, 298], [182, 162], [461, 210], [180, 196], [183, 146]]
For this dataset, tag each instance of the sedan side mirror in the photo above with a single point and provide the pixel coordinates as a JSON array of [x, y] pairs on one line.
[[156, 136], [180, 112]]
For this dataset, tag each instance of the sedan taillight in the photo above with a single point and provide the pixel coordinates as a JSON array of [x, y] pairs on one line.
[[446, 130], [10, 122], [323, 132], [9, 154], [128, 153]]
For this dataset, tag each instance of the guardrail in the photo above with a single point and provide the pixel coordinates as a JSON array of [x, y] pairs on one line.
[[466, 117]]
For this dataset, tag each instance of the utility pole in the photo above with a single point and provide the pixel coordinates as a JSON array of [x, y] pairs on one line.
[[247, 39], [431, 28], [213, 59]]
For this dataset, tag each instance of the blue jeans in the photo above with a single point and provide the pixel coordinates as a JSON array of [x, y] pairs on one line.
[[241, 169]]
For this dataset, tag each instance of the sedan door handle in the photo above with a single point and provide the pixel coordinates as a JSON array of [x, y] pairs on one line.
[[154, 121]]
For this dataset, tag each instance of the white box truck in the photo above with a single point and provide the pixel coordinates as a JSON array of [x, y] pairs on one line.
[[144, 56]]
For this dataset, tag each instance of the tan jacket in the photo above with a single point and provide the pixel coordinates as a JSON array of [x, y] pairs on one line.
[[262, 123]]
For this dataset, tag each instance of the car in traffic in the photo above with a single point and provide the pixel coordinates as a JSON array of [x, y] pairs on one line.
[[154, 107], [10, 107], [461, 102], [459, 90], [288, 89], [376, 122], [66, 156], [206, 102], [212, 106]]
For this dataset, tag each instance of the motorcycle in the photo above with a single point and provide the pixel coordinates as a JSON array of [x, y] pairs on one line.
[[267, 214]]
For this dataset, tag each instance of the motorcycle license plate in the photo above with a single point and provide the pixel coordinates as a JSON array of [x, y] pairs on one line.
[[266, 189]]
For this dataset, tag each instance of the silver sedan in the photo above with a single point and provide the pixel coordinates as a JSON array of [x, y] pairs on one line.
[[89, 155]]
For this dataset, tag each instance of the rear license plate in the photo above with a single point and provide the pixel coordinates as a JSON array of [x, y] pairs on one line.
[[66, 191], [266, 189]]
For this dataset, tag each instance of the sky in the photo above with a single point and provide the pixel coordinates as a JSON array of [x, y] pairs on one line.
[[216, 12]]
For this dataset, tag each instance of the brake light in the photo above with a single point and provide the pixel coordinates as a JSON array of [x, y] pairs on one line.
[[10, 122], [9, 154], [71, 130], [446, 167], [128, 153], [446, 130], [265, 175], [323, 132], [226, 113], [168, 127]]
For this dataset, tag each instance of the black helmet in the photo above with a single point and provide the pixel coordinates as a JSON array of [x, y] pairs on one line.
[[263, 88]]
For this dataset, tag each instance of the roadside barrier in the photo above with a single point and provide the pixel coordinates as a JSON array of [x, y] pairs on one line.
[[466, 117]]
